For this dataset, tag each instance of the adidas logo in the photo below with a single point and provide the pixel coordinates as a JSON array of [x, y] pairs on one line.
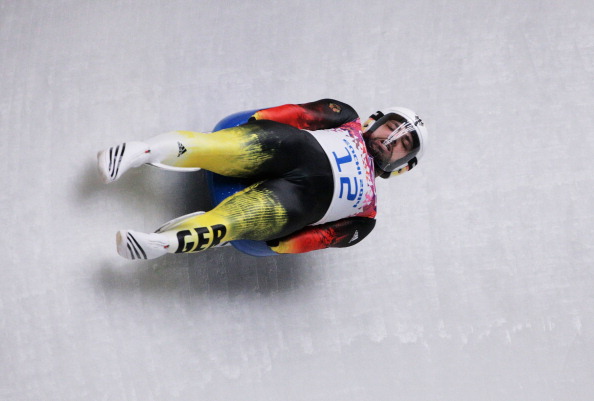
[[355, 236], [182, 149], [134, 248], [115, 160]]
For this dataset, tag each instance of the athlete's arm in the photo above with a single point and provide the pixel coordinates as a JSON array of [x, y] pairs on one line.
[[336, 234], [322, 114]]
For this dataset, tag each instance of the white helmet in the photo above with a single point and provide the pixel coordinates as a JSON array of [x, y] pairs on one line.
[[410, 122]]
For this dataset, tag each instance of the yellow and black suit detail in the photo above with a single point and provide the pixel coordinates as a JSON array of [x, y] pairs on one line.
[[293, 182]]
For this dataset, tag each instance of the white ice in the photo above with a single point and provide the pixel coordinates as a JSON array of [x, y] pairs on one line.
[[477, 283]]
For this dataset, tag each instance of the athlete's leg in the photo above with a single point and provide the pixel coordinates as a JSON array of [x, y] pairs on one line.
[[239, 152], [255, 213], [234, 151], [266, 210]]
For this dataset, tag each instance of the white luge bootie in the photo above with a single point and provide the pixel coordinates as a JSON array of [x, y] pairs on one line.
[[136, 245], [115, 161]]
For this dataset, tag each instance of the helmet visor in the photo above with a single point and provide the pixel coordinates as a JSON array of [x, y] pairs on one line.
[[400, 145]]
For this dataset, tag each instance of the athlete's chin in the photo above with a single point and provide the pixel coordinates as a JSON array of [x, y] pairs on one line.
[[377, 151]]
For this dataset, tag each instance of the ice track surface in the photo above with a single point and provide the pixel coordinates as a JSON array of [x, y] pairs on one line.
[[477, 283]]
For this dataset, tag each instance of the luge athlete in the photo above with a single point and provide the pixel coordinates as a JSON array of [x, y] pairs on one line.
[[313, 168]]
